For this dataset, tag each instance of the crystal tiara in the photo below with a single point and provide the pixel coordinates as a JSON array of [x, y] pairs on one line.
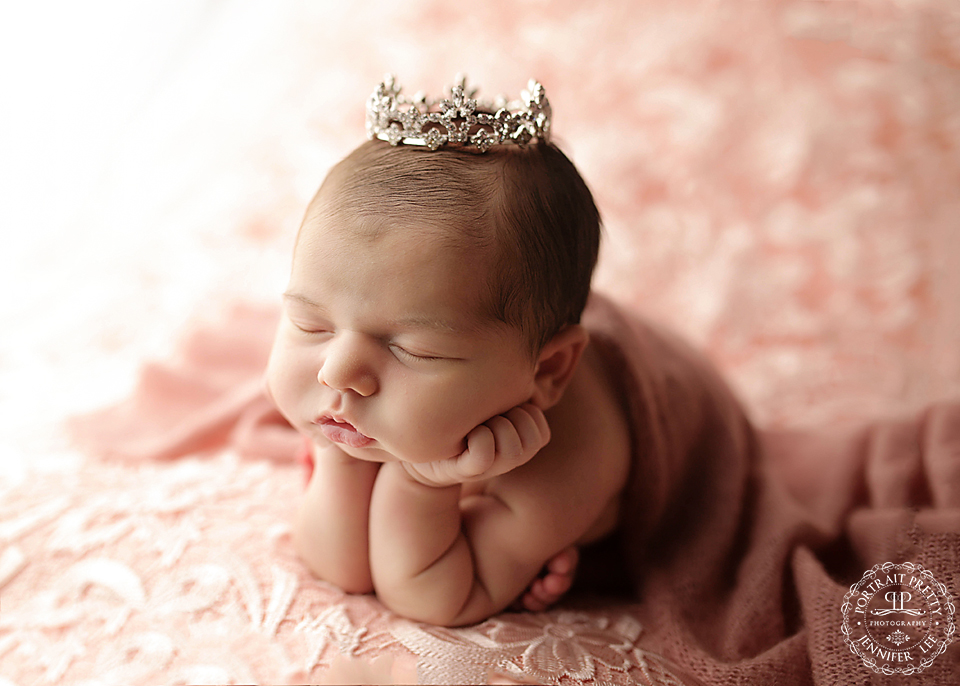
[[458, 120]]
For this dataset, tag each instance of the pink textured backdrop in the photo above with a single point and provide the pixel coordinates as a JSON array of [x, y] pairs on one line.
[[780, 181]]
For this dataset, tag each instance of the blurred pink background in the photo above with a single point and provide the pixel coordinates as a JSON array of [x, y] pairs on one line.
[[780, 181]]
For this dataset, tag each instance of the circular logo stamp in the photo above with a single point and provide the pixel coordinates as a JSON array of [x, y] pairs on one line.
[[898, 618]]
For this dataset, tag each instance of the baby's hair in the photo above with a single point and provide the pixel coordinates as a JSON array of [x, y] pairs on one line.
[[526, 210]]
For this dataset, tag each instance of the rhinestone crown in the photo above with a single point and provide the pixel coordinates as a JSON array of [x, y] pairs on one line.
[[459, 119]]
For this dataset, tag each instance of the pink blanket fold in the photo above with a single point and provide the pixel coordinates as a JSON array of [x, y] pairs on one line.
[[741, 543], [210, 396]]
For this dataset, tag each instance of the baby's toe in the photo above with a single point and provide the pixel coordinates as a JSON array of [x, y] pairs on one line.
[[555, 585], [532, 604], [565, 562]]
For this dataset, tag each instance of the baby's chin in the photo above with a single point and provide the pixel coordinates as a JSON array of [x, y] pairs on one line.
[[385, 453], [424, 454]]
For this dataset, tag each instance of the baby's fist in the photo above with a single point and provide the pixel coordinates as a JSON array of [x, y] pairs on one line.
[[496, 447], [504, 442]]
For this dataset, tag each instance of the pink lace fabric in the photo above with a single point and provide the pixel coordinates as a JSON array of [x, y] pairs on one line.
[[778, 181], [154, 574]]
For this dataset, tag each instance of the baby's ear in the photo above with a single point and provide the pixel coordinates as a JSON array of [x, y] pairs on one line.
[[556, 364]]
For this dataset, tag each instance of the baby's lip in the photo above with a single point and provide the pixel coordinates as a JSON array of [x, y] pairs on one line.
[[339, 430], [337, 419]]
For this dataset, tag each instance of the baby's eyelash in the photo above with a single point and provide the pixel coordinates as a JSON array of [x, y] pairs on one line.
[[310, 329], [406, 353]]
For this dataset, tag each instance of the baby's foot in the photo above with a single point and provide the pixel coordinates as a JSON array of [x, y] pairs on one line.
[[547, 589]]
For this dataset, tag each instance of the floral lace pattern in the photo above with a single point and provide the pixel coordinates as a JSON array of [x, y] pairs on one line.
[[153, 572], [561, 647]]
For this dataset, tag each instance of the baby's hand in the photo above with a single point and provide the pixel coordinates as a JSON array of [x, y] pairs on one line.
[[496, 447]]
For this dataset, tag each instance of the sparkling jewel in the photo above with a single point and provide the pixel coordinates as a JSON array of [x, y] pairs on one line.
[[459, 119]]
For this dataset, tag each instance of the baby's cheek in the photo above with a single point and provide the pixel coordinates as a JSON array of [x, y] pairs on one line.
[[425, 438], [285, 388], [273, 378], [451, 429]]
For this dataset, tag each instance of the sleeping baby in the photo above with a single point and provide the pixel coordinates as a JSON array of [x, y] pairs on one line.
[[463, 431]]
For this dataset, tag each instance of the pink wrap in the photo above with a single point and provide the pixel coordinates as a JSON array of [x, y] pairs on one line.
[[743, 543]]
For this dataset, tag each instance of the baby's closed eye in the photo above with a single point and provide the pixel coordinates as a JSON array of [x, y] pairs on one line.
[[416, 356]]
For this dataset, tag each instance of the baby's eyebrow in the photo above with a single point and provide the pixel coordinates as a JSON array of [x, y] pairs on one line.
[[423, 322], [302, 299], [407, 322]]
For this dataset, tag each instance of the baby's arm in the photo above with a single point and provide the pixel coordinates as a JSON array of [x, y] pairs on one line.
[[331, 529], [434, 558]]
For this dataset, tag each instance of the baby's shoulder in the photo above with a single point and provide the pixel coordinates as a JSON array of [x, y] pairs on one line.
[[579, 475]]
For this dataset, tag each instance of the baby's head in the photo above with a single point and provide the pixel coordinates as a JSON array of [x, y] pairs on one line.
[[431, 291], [522, 217]]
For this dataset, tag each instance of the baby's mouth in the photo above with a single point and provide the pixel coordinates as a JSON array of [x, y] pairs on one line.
[[342, 432]]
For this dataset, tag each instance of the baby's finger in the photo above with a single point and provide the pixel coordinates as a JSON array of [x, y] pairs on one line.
[[531, 426], [539, 417], [480, 453], [509, 447]]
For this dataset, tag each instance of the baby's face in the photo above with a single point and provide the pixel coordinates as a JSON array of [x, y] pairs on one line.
[[382, 348]]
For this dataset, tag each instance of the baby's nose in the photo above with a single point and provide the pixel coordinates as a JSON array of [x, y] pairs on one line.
[[347, 365]]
